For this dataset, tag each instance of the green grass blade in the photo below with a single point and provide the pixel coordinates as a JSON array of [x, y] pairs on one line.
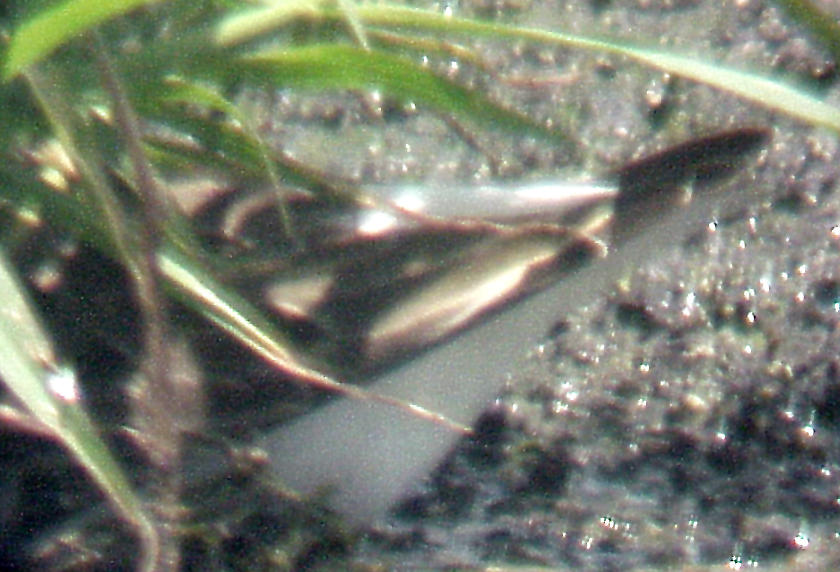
[[48, 390], [335, 66], [97, 193], [359, 34], [36, 38], [26, 354], [197, 288], [181, 90], [224, 148], [233, 314], [763, 90], [253, 22]]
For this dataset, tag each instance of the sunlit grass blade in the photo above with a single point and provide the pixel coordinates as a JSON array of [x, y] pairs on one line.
[[226, 144], [234, 315], [36, 38], [255, 21], [763, 90], [336, 66], [222, 148], [277, 13], [26, 355], [232, 146], [48, 390], [348, 7]]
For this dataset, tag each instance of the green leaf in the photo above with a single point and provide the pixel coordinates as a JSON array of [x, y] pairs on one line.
[[39, 36]]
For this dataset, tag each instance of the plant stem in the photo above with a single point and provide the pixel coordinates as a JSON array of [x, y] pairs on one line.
[[154, 409]]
